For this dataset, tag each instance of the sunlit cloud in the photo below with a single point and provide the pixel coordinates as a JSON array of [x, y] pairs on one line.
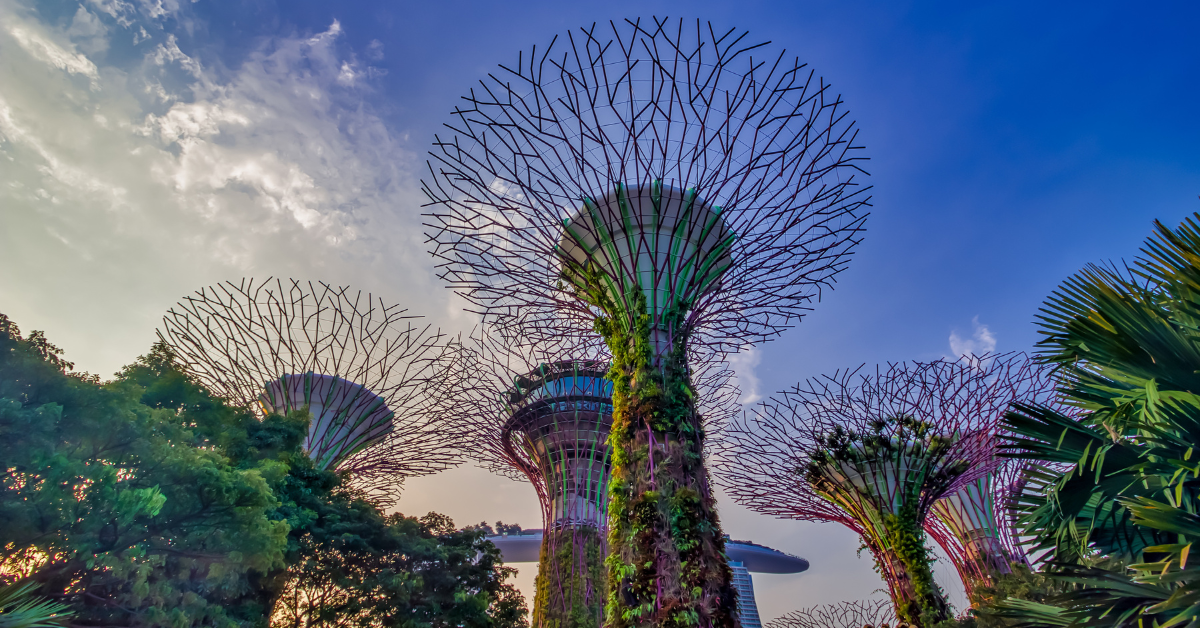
[[981, 341], [745, 363], [126, 187]]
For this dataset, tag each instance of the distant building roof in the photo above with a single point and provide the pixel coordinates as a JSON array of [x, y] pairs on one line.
[[526, 547]]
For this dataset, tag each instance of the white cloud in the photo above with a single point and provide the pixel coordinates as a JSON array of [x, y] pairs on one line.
[[744, 363], [43, 49], [120, 197], [982, 341], [88, 32]]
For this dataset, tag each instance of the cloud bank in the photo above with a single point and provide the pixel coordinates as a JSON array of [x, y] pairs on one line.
[[128, 181]]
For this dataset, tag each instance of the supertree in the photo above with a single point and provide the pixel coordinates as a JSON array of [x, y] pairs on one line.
[[976, 525], [544, 414], [856, 614], [361, 367], [875, 451], [670, 186]]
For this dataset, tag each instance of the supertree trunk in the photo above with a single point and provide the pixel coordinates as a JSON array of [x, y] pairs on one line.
[[667, 565], [571, 583]]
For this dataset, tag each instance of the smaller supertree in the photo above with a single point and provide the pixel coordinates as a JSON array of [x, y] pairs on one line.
[[362, 368], [875, 452], [543, 413], [975, 526], [856, 614]]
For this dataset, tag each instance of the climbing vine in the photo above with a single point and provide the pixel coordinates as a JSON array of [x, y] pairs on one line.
[[906, 540], [571, 581], [666, 567]]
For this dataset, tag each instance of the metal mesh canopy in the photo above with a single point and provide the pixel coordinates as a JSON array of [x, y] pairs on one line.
[[664, 157], [975, 525], [858, 614], [362, 367], [768, 462]]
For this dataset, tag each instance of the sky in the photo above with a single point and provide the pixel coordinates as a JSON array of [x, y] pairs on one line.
[[152, 147]]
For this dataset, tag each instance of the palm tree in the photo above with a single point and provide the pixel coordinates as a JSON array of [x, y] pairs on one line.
[[1118, 523], [20, 608]]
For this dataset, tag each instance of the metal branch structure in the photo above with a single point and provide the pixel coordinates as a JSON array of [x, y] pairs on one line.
[[856, 614], [544, 414], [976, 525], [672, 186], [875, 451], [361, 367]]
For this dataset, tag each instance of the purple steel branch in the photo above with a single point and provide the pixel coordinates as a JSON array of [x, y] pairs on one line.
[[766, 453]]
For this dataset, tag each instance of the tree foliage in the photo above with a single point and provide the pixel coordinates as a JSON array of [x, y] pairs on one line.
[[146, 501], [1120, 522]]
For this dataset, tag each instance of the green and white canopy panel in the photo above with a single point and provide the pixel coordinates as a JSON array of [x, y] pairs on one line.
[[667, 243], [346, 417]]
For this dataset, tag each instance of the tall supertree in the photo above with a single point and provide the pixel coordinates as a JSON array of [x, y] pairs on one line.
[[544, 414], [856, 614], [874, 451], [361, 367], [671, 186]]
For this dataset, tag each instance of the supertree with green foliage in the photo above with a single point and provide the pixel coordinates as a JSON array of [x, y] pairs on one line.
[[670, 186], [544, 415], [364, 369], [875, 451]]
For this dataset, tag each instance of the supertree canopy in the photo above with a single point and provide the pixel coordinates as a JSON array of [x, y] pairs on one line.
[[977, 524], [856, 614], [362, 368], [875, 451], [544, 414], [670, 185]]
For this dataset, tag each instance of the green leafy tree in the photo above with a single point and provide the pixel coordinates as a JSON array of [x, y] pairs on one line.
[[345, 563], [146, 501], [1121, 521], [124, 511]]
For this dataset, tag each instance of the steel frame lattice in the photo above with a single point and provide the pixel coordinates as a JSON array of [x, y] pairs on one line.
[[976, 526], [771, 462], [631, 106], [855, 614], [364, 366]]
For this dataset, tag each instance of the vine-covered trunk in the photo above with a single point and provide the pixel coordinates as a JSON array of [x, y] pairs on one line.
[[666, 564], [570, 585], [903, 560]]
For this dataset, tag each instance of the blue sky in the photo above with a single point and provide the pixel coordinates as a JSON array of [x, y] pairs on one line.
[[150, 147]]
